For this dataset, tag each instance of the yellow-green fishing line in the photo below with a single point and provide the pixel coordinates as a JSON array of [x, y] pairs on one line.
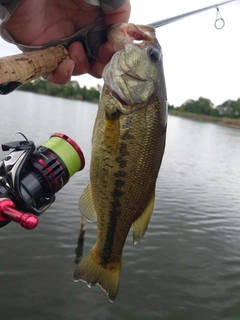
[[66, 152]]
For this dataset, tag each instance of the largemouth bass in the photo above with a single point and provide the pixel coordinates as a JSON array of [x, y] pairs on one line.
[[127, 150]]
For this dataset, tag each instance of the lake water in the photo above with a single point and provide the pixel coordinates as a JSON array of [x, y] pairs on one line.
[[187, 267]]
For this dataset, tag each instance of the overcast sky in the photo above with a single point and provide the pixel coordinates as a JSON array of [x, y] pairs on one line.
[[199, 60]]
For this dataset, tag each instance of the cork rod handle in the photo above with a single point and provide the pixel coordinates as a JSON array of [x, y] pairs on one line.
[[25, 67]]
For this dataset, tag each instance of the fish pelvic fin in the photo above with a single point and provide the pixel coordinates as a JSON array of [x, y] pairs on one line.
[[85, 204], [92, 272], [141, 224]]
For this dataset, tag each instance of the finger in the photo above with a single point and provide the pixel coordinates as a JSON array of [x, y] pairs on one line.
[[96, 69], [105, 52], [76, 65], [78, 55], [119, 15], [63, 73]]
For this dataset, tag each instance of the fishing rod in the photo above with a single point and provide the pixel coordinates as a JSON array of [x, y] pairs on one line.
[[19, 69], [163, 22]]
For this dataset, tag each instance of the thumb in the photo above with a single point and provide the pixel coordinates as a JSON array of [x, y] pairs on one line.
[[113, 16], [114, 12]]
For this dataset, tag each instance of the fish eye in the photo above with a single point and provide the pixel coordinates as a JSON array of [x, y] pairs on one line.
[[154, 54]]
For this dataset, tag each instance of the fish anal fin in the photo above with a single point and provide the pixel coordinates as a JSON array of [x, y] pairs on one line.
[[141, 224], [92, 272], [85, 204]]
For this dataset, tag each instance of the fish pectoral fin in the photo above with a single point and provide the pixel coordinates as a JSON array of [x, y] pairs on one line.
[[141, 224], [92, 272], [85, 204]]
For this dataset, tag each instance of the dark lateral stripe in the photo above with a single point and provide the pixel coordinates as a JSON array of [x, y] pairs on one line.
[[115, 210], [114, 213]]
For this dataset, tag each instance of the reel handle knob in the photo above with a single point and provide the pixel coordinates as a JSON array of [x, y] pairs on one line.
[[8, 211]]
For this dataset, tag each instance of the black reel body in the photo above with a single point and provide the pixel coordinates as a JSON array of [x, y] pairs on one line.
[[30, 176]]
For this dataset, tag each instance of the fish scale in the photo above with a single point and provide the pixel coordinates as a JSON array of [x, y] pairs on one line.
[[127, 148]]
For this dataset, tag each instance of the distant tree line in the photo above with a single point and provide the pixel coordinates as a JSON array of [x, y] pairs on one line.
[[229, 108], [72, 90]]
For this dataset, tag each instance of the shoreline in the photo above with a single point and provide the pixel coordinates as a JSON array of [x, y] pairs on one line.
[[229, 122]]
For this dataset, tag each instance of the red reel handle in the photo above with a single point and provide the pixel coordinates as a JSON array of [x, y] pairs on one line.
[[8, 211]]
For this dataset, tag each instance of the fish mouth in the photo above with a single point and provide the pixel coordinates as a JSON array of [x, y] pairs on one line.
[[116, 96], [128, 107], [119, 86], [124, 94], [122, 82]]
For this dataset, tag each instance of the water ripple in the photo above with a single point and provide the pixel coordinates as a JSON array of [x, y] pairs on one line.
[[187, 266]]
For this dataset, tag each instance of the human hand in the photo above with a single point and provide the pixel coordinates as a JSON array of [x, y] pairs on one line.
[[37, 22]]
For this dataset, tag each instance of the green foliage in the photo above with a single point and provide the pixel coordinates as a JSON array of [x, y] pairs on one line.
[[229, 109], [203, 106], [72, 90]]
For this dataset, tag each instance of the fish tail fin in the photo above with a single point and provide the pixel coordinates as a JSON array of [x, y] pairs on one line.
[[92, 271]]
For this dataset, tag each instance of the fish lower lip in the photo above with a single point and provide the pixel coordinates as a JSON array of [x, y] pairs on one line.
[[116, 96]]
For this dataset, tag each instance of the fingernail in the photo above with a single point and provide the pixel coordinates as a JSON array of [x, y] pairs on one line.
[[70, 71]]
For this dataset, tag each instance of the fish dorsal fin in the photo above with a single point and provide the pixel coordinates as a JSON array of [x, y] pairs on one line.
[[85, 204], [141, 224]]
